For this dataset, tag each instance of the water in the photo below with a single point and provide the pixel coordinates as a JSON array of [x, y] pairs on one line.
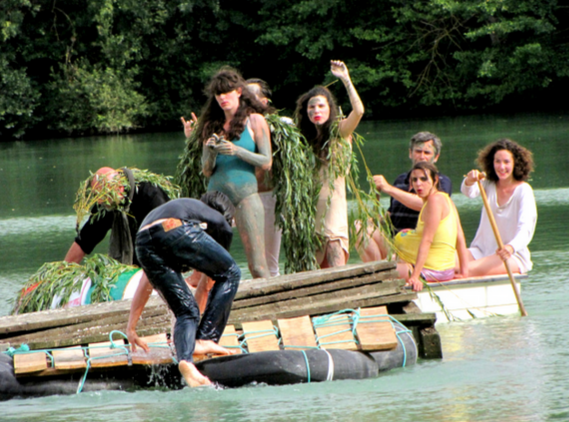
[[502, 368]]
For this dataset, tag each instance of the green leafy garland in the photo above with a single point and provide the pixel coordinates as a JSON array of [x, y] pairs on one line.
[[63, 278], [109, 192], [296, 193], [189, 171], [294, 188], [343, 162]]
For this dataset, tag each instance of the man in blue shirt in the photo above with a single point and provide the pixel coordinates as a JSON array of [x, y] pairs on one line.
[[405, 204]]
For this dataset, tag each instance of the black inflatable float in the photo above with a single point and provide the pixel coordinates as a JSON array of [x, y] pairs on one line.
[[272, 368]]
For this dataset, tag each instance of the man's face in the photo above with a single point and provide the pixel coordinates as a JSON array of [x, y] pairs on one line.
[[423, 152]]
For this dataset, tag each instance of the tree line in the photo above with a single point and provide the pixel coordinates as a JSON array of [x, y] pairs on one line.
[[106, 66]]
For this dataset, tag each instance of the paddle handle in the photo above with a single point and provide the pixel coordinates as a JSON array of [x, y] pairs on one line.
[[501, 246]]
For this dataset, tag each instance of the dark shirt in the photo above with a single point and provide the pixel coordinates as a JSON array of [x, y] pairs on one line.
[[146, 197], [406, 218], [194, 209]]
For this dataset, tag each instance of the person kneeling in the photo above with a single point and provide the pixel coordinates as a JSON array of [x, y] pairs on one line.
[[179, 235]]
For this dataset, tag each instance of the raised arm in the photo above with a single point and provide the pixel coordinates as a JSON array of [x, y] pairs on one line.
[[349, 124], [262, 137], [189, 125]]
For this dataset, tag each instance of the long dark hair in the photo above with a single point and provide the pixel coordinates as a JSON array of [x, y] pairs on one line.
[[212, 116], [317, 139], [523, 159]]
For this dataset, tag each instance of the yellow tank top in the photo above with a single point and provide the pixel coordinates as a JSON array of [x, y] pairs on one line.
[[442, 252]]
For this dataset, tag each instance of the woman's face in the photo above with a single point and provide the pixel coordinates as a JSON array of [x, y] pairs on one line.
[[504, 164], [318, 110], [229, 101], [422, 183]]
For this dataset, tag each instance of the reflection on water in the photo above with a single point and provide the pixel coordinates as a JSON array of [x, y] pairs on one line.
[[502, 368]]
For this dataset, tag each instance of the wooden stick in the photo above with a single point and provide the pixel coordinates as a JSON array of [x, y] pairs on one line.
[[501, 246]]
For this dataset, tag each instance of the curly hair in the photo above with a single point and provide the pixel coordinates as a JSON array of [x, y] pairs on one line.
[[318, 140], [430, 170], [212, 117], [523, 159]]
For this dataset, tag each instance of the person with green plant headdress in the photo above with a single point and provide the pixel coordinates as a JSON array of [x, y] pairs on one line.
[[331, 139], [116, 200]]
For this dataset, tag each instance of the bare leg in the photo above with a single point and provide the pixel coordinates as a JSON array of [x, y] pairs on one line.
[[191, 375], [491, 265], [250, 219], [204, 347], [201, 294], [335, 256], [375, 250]]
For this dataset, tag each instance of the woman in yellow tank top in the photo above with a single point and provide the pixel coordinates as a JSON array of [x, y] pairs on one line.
[[430, 249]]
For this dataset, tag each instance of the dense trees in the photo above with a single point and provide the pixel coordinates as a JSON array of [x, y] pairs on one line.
[[80, 66]]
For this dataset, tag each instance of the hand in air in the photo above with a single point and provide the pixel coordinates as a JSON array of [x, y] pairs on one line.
[[339, 70], [189, 125]]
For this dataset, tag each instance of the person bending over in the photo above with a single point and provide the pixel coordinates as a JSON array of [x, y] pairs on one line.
[[182, 234]]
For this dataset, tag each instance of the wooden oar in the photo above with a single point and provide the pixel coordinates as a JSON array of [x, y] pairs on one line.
[[500, 246]]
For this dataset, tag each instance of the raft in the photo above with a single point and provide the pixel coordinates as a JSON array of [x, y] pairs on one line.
[[337, 355]]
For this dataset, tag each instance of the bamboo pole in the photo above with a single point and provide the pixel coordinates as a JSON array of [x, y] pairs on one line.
[[501, 246]]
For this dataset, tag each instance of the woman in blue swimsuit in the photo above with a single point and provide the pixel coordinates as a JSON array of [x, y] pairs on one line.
[[236, 140]]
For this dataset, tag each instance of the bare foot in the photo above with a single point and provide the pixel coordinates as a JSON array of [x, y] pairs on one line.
[[204, 347], [191, 375]]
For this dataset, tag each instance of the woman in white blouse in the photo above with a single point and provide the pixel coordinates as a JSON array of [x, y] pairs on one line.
[[507, 166]]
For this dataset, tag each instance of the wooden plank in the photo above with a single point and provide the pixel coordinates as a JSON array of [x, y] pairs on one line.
[[297, 332], [25, 363], [34, 321], [261, 286], [389, 291], [69, 358], [260, 336], [103, 356], [335, 332], [53, 338], [160, 352], [329, 286], [230, 339], [318, 307], [374, 331]]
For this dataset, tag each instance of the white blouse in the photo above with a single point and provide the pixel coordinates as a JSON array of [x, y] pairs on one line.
[[516, 222]]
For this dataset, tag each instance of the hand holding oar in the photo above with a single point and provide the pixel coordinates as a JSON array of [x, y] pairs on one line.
[[501, 246]]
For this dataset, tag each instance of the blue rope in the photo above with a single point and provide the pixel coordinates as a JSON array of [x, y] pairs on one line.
[[307, 366]]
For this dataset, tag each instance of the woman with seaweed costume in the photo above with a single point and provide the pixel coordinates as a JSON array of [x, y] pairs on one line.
[[235, 141], [330, 137]]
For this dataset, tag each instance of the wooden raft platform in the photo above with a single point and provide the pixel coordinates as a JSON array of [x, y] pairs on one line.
[[275, 299], [372, 328]]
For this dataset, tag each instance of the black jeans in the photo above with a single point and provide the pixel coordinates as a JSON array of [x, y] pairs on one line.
[[164, 255]]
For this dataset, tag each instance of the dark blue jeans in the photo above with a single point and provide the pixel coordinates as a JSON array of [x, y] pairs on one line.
[[164, 255]]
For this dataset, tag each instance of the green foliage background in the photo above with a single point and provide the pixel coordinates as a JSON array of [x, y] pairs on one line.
[[106, 66]]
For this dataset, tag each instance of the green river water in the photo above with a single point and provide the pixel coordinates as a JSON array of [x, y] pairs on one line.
[[494, 369]]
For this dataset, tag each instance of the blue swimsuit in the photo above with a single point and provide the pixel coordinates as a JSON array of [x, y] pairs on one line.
[[233, 176]]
